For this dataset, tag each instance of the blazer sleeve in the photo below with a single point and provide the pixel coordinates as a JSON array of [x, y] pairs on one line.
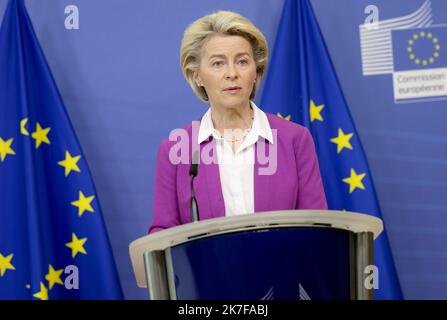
[[310, 186], [166, 212]]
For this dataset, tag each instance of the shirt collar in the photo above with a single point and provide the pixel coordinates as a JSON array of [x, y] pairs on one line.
[[260, 128]]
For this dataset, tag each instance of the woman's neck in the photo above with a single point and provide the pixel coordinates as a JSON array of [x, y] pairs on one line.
[[231, 118]]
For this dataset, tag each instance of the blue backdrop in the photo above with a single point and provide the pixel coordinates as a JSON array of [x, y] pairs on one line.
[[120, 79]]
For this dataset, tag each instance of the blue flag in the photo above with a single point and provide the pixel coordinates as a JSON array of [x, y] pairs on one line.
[[302, 86], [53, 241], [420, 48]]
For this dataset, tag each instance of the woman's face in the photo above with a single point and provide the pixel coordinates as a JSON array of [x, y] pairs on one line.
[[227, 71]]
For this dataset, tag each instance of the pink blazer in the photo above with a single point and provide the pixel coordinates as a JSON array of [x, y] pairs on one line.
[[296, 183]]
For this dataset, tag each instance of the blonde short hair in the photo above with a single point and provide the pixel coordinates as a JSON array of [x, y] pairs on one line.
[[223, 23]]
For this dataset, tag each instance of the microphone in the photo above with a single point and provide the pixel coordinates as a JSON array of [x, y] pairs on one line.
[[193, 171]]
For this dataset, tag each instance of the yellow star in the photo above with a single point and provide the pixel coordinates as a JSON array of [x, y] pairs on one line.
[[83, 203], [315, 111], [22, 127], [355, 181], [76, 245], [70, 163], [42, 294], [5, 264], [53, 276], [40, 135], [286, 118], [5, 148], [342, 141]]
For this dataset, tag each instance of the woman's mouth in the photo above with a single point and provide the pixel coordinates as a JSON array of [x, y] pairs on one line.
[[233, 89]]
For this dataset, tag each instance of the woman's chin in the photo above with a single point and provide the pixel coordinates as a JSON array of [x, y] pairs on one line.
[[235, 102]]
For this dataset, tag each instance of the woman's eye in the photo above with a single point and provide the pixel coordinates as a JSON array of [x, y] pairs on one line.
[[243, 61], [217, 63]]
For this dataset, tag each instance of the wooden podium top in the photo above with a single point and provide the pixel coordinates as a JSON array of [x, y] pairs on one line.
[[354, 222]]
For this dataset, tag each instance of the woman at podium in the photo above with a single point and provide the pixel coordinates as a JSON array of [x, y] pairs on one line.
[[248, 161]]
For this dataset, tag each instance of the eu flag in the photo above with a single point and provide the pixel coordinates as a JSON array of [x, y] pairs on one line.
[[420, 48], [302, 86], [53, 241]]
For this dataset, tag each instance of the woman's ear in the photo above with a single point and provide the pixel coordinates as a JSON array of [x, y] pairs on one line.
[[197, 79]]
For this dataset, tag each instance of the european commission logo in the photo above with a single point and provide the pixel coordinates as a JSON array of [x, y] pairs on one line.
[[413, 50]]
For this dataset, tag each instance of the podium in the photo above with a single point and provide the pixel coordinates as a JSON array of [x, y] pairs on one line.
[[280, 255]]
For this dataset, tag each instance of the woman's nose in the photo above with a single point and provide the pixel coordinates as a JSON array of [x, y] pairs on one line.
[[231, 71]]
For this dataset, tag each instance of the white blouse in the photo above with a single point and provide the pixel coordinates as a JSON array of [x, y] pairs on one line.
[[237, 169]]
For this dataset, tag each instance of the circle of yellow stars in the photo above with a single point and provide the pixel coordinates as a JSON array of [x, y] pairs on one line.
[[436, 48], [83, 203]]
